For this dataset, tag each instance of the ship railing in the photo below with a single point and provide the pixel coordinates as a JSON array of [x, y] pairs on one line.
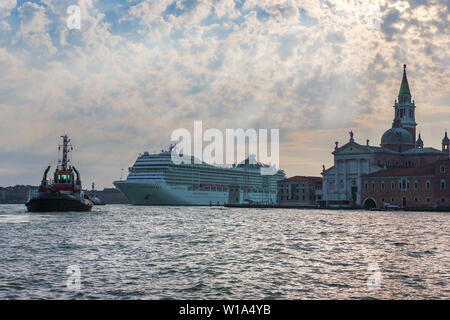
[[225, 166]]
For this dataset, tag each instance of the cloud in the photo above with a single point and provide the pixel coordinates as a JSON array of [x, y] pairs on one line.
[[6, 6]]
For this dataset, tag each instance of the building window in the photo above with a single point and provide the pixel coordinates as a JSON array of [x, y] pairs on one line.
[[416, 200], [443, 169], [366, 185], [392, 185], [443, 184], [382, 185], [416, 185], [382, 199], [392, 200], [428, 200], [428, 184], [409, 164], [443, 200], [373, 185], [404, 185]]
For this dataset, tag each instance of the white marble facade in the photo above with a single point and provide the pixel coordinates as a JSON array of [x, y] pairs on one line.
[[350, 162]]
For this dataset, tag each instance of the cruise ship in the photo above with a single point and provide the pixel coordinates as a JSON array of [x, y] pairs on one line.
[[155, 179]]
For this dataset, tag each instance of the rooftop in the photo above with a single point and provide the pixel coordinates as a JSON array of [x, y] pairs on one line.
[[400, 172], [302, 179], [422, 150]]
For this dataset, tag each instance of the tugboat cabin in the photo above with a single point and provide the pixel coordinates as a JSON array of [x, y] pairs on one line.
[[63, 177]]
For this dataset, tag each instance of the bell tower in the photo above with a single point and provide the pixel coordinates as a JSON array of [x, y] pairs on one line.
[[446, 143], [404, 108]]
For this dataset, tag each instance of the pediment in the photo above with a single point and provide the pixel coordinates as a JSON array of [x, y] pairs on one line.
[[351, 148]]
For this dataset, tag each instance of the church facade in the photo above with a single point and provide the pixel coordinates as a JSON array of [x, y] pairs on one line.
[[399, 148]]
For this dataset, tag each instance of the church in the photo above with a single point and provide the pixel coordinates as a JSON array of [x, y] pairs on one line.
[[399, 149]]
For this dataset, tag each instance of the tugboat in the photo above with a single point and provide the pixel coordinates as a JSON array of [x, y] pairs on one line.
[[64, 192]]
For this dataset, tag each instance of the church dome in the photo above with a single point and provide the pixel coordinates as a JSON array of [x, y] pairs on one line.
[[397, 136]]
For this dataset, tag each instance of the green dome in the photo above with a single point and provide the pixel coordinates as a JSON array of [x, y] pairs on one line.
[[395, 136]]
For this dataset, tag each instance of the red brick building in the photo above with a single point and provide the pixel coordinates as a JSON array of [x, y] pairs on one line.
[[417, 187], [299, 191]]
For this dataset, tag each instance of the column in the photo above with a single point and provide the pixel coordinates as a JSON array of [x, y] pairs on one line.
[[345, 180], [358, 182], [336, 178]]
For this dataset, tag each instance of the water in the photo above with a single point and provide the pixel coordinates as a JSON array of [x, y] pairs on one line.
[[128, 252]]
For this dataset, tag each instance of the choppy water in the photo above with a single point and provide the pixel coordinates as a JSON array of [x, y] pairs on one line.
[[127, 252]]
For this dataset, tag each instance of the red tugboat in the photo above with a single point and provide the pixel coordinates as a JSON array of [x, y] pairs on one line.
[[64, 193]]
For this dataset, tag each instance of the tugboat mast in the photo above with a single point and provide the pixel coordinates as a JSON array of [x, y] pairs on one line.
[[65, 152]]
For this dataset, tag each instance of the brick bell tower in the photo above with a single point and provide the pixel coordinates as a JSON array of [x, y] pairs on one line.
[[404, 108]]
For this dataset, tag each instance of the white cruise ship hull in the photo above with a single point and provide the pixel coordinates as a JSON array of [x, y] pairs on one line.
[[159, 193]]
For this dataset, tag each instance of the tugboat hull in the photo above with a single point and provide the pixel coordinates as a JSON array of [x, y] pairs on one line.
[[58, 204]]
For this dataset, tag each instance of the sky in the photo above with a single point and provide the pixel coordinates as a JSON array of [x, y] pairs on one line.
[[137, 70]]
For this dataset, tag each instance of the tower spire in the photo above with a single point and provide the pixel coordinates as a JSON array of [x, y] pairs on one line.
[[404, 87]]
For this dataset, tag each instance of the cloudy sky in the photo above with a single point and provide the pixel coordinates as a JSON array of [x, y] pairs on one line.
[[137, 70]]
